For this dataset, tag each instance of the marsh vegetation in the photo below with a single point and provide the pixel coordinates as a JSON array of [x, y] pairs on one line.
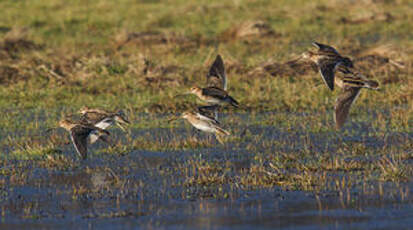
[[285, 157]]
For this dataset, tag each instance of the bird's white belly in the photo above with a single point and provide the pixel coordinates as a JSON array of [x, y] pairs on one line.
[[205, 128], [214, 101]]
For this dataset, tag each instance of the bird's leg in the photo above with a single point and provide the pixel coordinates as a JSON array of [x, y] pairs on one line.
[[219, 138]]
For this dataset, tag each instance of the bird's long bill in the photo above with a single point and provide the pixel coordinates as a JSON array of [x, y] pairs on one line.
[[121, 126], [182, 94], [174, 118], [51, 129], [297, 59], [123, 120]]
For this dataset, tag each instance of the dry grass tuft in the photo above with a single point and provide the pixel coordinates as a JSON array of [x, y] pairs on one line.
[[287, 69], [248, 30]]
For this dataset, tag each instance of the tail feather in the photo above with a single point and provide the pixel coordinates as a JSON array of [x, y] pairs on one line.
[[222, 131], [372, 84]]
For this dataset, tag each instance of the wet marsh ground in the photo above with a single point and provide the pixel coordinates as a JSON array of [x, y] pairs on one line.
[[284, 160]]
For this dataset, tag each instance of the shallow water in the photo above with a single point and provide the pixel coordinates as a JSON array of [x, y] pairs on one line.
[[149, 189]]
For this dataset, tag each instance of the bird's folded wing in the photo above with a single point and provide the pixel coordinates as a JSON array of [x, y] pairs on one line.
[[207, 119], [93, 117], [210, 111], [215, 92]]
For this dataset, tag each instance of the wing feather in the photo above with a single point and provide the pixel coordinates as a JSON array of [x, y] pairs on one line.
[[79, 138], [207, 119], [216, 75], [343, 103], [210, 111], [325, 48], [215, 92], [327, 68]]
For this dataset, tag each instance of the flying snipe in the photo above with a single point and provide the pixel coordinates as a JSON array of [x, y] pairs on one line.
[[204, 118], [327, 59], [102, 119], [79, 133], [215, 93], [204, 123], [351, 83]]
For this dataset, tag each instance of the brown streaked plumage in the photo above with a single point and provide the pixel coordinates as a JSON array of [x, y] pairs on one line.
[[327, 59], [204, 123], [79, 133], [103, 119], [215, 93], [210, 111], [351, 84], [214, 96]]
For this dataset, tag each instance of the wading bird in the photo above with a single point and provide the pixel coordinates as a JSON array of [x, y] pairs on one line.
[[204, 123], [102, 119], [327, 59], [79, 133], [350, 84], [204, 118], [214, 96], [215, 93]]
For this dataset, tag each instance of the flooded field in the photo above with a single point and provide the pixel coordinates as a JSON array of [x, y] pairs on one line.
[[265, 176], [285, 165]]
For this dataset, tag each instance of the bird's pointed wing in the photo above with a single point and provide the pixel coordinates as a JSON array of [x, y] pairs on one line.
[[343, 103], [210, 111], [79, 138], [327, 68], [325, 48], [216, 75]]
